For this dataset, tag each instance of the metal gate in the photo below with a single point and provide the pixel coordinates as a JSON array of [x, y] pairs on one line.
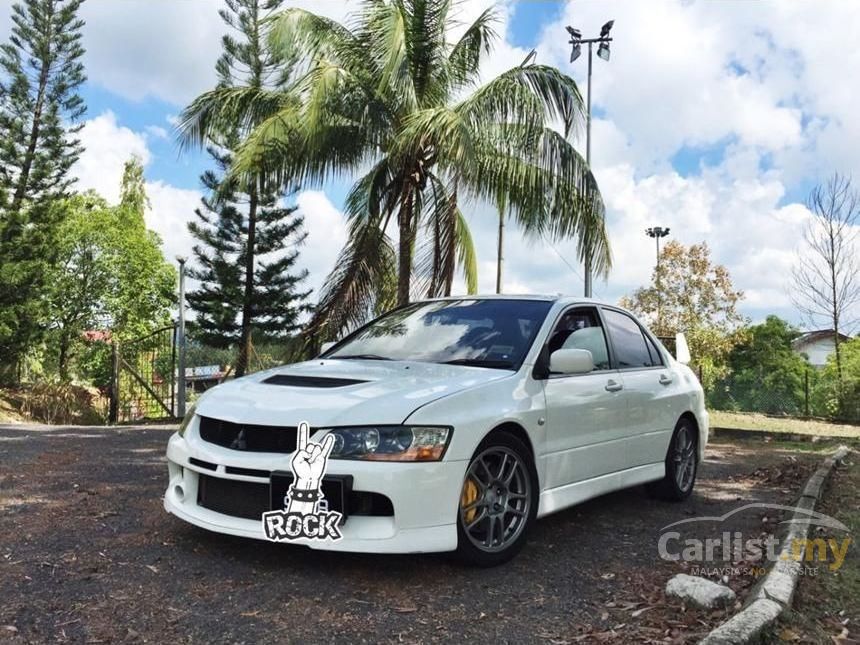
[[144, 377]]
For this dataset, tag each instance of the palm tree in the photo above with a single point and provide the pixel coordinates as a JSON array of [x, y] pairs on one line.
[[394, 97]]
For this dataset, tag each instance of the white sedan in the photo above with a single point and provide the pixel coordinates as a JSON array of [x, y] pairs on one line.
[[457, 422]]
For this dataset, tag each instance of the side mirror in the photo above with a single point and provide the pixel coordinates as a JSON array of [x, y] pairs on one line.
[[571, 361], [327, 346], [682, 350]]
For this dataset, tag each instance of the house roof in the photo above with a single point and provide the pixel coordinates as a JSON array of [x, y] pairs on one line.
[[816, 335]]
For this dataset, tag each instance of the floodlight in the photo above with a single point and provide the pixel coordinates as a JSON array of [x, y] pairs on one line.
[[603, 51]]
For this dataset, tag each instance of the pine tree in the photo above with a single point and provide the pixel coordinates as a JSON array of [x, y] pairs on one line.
[[40, 109], [222, 228], [40, 113], [238, 226]]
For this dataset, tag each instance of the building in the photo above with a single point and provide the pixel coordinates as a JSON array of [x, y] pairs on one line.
[[818, 345]]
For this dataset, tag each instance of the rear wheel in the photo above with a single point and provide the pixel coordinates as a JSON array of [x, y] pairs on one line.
[[682, 461], [498, 501]]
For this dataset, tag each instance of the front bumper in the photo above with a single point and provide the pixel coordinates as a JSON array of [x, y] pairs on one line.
[[424, 497]]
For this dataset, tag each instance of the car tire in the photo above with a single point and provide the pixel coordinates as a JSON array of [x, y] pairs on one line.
[[682, 463], [498, 501]]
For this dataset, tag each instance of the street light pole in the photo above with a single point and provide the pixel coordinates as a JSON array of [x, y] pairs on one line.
[[657, 232], [180, 340], [587, 264], [576, 42]]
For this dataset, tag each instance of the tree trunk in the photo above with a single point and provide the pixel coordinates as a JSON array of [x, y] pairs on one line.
[[35, 129], [62, 359], [405, 244], [247, 313]]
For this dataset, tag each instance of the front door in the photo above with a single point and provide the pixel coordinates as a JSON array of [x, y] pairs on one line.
[[585, 412]]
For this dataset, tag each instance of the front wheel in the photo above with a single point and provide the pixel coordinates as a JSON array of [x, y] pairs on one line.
[[682, 461], [498, 501]]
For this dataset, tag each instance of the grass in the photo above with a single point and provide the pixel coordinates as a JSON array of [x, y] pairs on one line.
[[827, 605], [812, 427]]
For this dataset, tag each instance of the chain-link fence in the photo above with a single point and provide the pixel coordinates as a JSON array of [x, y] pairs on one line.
[[792, 394]]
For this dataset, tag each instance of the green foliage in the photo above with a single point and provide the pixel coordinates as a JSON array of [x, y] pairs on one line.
[[222, 228], [40, 113], [110, 275], [391, 91], [248, 242], [767, 375], [826, 394], [696, 297], [40, 109]]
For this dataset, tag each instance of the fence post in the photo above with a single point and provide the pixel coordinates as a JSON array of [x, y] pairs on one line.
[[806, 391], [113, 410]]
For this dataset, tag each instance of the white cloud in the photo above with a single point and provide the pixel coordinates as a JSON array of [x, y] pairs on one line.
[[107, 146], [327, 233], [170, 210], [167, 50], [157, 132]]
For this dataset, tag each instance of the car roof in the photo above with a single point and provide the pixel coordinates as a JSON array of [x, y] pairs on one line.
[[560, 298]]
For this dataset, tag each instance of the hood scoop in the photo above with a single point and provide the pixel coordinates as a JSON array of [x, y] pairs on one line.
[[310, 381]]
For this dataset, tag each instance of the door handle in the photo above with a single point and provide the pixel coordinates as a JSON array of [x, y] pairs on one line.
[[613, 386], [665, 379]]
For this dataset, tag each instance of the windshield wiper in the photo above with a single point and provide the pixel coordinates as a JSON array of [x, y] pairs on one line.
[[367, 357], [477, 362]]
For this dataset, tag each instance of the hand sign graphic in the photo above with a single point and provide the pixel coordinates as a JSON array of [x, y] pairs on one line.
[[308, 465], [304, 516]]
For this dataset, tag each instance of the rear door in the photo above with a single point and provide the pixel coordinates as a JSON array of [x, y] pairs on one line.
[[649, 389]]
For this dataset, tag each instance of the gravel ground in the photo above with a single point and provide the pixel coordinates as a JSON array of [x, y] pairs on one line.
[[87, 554]]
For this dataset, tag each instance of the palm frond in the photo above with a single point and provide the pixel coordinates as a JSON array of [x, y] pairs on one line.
[[365, 275], [504, 99], [464, 61], [224, 111], [296, 30], [466, 254]]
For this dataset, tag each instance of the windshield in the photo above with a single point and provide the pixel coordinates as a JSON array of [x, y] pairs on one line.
[[484, 333]]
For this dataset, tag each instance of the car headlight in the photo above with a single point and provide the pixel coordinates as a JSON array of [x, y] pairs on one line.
[[186, 420], [390, 443]]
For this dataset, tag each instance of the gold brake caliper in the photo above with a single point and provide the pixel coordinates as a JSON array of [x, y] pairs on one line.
[[468, 496]]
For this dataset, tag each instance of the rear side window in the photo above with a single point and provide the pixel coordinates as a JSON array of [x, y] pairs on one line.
[[656, 358], [627, 340]]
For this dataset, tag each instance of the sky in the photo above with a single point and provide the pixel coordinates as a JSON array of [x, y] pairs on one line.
[[712, 118]]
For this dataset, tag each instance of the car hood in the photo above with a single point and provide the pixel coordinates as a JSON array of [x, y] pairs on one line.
[[331, 392]]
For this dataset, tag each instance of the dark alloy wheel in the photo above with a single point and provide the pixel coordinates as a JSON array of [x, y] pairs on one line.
[[682, 462], [498, 501]]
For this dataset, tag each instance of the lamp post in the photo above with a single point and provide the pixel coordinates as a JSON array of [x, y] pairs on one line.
[[657, 232], [576, 42], [180, 340]]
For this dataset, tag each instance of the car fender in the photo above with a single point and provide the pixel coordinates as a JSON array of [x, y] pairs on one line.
[[476, 412]]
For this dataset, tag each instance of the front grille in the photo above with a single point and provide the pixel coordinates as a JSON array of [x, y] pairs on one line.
[[249, 500], [250, 438], [203, 464]]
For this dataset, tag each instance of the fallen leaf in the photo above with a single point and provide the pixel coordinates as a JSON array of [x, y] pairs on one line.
[[787, 634]]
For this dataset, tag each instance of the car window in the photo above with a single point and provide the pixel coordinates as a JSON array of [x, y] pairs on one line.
[[628, 341], [494, 333], [656, 357], [580, 328]]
